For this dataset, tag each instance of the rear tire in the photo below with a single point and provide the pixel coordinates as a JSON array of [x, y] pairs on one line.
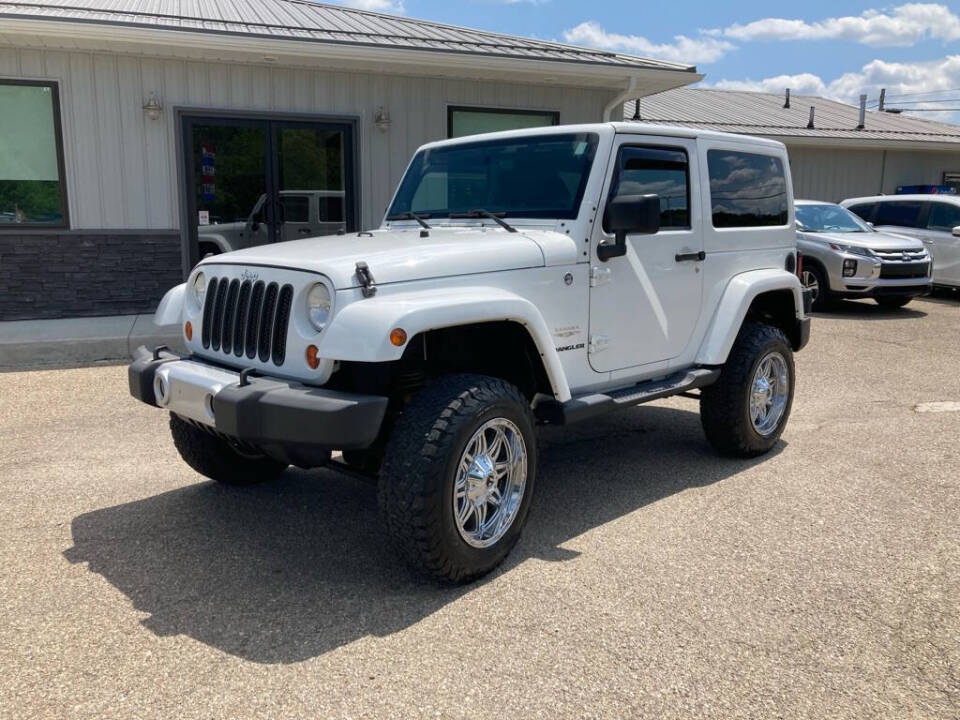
[[730, 409], [460, 463], [892, 301], [218, 459]]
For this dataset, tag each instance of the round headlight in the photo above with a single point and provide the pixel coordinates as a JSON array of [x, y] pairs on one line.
[[318, 306], [199, 288]]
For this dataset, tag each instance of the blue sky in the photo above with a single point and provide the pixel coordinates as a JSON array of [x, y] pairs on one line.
[[838, 49]]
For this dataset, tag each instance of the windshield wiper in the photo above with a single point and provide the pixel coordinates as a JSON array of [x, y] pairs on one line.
[[411, 216], [496, 217]]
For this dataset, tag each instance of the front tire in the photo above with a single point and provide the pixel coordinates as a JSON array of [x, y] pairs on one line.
[[744, 413], [218, 459], [892, 302], [815, 280], [458, 476]]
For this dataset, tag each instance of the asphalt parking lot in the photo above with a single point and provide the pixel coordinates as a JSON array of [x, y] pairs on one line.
[[654, 578]]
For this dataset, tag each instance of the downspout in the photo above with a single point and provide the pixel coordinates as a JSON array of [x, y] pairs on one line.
[[619, 100]]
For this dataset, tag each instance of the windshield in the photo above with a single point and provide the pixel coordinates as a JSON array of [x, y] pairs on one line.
[[829, 218], [537, 176]]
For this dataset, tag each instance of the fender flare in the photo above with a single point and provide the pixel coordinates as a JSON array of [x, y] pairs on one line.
[[170, 309], [360, 332], [737, 297], [215, 239]]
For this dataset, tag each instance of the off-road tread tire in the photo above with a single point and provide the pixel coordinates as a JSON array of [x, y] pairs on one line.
[[892, 302], [427, 440], [725, 405], [213, 457]]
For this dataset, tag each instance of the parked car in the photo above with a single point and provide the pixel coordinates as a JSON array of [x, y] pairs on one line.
[[844, 257], [544, 275], [304, 213], [933, 219]]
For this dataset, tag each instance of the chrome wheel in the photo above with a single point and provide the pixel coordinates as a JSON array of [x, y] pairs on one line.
[[490, 481], [809, 281], [769, 392]]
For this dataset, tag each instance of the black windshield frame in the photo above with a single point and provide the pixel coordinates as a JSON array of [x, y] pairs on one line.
[[532, 179]]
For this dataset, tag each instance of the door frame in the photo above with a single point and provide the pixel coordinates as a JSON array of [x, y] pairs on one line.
[[188, 247]]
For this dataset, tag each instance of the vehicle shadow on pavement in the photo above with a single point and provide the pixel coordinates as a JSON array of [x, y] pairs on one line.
[[868, 310], [290, 570]]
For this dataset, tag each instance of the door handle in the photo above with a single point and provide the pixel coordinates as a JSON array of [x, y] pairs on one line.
[[686, 257]]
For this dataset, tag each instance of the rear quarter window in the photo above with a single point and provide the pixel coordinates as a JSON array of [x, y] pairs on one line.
[[747, 189]]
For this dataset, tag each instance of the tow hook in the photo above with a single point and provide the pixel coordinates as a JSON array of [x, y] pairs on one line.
[[369, 285]]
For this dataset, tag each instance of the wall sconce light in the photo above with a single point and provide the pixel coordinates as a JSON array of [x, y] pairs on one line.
[[382, 119], [152, 107]]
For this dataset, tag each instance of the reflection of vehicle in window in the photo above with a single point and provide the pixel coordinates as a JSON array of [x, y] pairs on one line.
[[520, 278], [303, 214], [844, 257], [932, 219]]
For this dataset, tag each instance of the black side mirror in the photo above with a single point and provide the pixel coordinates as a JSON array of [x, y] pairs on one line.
[[629, 215]]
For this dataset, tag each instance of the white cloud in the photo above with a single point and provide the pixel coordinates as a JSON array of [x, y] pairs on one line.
[[682, 49], [916, 81], [384, 6], [904, 25]]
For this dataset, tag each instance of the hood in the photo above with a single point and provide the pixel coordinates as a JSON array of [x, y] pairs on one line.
[[872, 240], [401, 255]]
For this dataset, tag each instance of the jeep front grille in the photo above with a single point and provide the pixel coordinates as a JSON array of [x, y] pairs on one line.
[[244, 318]]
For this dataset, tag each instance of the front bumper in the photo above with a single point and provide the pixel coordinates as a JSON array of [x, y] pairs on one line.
[[283, 418]]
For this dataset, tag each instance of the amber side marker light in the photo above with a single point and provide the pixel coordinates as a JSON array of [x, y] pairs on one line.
[[188, 330], [398, 336], [312, 360]]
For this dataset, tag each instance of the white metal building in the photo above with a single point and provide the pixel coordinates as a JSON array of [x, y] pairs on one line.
[[127, 128], [833, 159]]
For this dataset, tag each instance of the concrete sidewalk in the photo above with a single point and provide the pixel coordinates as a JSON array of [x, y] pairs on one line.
[[28, 344]]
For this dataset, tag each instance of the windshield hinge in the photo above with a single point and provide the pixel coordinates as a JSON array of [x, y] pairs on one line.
[[599, 276], [367, 283], [598, 343]]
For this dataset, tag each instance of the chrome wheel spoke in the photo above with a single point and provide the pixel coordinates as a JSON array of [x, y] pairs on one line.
[[490, 482], [769, 392]]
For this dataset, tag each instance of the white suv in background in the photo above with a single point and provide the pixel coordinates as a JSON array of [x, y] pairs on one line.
[[934, 219]]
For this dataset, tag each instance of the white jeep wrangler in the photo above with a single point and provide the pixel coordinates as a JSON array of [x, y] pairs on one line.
[[536, 276]]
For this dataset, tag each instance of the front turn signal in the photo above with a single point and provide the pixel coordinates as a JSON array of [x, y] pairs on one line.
[[188, 330], [398, 336], [313, 359]]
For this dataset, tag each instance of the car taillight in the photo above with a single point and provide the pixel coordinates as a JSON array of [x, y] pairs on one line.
[[799, 264]]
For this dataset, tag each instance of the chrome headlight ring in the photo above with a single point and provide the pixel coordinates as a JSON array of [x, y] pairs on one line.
[[319, 304]]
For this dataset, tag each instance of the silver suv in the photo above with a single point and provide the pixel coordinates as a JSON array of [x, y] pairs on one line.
[[843, 256]]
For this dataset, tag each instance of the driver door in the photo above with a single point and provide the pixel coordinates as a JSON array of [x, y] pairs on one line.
[[644, 305]]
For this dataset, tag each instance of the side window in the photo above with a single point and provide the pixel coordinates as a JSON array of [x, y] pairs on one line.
[[943, 216], [864, 210], [899, 212], [747, 189], [331, 209], [296, 208], [656, 171]]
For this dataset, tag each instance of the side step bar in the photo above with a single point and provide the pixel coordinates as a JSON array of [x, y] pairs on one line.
[[584, 407]]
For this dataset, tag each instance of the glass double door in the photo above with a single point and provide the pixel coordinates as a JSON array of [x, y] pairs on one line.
[[257, 181]]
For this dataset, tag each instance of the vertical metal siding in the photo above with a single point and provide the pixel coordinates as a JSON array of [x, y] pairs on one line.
[[122, 167]]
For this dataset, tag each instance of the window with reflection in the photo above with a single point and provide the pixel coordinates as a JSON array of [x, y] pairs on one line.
[[747, 189], [32, 190], [656, 171]]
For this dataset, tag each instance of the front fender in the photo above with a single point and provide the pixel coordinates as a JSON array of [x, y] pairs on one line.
[[360, 331], [734, 304], [170, 309]]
